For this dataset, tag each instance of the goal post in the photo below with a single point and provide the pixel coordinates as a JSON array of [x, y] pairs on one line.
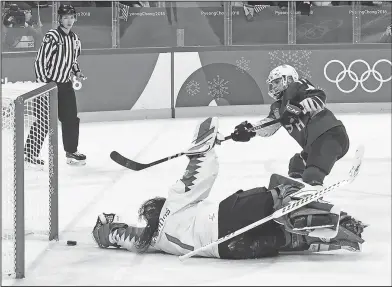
[[29, 205]]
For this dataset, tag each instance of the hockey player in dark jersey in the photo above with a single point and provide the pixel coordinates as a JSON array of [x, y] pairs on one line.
[[321, 135]]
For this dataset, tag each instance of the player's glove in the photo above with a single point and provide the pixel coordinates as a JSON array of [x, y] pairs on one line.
[[312, 105], [242, 133]]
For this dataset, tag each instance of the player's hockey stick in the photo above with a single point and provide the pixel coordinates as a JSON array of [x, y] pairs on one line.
[[128, 163], [291, 206], [255, 128]]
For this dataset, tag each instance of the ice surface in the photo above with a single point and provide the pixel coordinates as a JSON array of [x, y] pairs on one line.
[[103, 186]]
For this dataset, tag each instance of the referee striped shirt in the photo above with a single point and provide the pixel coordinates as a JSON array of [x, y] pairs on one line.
[[57, 56]]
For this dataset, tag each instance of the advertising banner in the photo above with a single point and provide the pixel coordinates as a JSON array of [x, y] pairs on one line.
[[118, 82], [374, 24], [114, 82], [239, 77], [204, 26], [158, 27], [266, 25], [325, 25]]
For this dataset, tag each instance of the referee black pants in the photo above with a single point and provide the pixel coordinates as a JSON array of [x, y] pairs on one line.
[[67, 113]]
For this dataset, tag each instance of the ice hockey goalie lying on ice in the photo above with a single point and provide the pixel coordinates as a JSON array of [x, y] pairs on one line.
[[187, 220]]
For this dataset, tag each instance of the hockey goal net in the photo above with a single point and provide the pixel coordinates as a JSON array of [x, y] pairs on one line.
[[29, 190]]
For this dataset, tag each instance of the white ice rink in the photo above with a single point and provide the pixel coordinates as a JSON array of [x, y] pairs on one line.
[[103, 186]]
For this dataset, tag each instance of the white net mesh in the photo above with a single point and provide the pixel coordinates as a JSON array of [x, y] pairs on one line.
[[37, 187]]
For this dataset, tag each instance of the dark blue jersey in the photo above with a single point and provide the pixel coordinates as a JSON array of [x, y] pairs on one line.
[[305, 128]]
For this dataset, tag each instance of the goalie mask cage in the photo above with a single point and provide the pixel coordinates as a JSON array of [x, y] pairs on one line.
[[29, 191]]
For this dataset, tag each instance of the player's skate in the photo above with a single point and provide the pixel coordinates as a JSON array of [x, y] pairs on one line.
[[205, 137], [75, 158]]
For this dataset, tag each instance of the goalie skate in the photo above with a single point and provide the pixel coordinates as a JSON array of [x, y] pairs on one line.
[[204, 138]]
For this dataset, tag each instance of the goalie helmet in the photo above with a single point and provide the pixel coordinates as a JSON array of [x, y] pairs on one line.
[[279, 79]]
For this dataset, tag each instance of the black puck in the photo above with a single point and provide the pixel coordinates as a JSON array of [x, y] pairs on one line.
[[71, 243]]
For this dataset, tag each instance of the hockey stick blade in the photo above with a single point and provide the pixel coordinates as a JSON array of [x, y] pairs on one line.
[[128, 163], [290, 207]]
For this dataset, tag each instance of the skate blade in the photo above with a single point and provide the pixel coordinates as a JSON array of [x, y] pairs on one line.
[[74, 162]]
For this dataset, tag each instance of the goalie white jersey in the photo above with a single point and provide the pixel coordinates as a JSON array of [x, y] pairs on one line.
[[187, 220]]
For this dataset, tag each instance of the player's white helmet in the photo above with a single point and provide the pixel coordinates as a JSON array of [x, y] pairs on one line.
[[279, 79]]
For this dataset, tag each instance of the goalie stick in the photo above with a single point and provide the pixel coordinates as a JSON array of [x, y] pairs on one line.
[[131, 164], [291, 206]]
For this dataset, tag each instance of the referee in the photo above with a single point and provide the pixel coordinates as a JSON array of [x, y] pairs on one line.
[[56, 61]]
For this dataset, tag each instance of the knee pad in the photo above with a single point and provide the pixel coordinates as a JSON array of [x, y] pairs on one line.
[[313, 175], [296, 166]]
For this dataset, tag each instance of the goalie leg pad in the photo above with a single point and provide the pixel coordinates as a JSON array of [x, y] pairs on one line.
[[316, 215], [344, 239], [311, 218], [348, 236], [204, 137]]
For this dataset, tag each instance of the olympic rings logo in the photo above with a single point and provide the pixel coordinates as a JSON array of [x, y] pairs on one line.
[[358, 80]]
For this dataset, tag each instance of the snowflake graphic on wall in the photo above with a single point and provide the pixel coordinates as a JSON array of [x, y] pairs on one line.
[[218, 88], [192, 88], [299, 59], [242, 65]]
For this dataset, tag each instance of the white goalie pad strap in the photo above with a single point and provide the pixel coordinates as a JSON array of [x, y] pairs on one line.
[[323, 231], [267, 131]]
